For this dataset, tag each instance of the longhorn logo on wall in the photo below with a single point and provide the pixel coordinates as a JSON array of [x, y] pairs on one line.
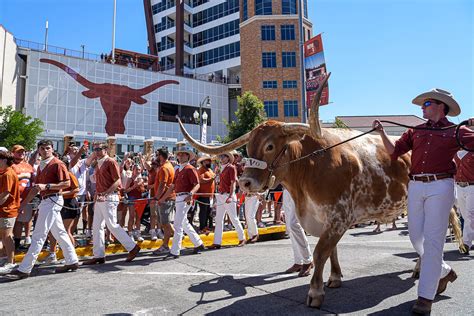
[[115, 99], [315, 69]]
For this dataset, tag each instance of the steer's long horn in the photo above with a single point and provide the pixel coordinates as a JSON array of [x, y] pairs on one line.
[[295, 128], [71, 72], [154, 86], [214, 150], [315, 127]]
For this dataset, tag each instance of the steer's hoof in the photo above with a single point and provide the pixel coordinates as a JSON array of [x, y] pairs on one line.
[[316, 301], [334, 283]]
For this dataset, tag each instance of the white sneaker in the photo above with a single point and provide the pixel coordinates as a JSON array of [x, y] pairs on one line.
[[88, 233], [8, 268], [3, 261], [153, 235], [160, 234], [138, 235], [27, 241], [131, 236], [51, 259]]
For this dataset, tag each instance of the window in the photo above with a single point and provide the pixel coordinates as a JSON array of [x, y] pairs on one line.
[[216, 12], [218, 54], [268, 32], [288, 32], [245, 10], [288, 59], [168, 112], [271, 108], [216, 33], [305, 8], [269, 60], [289, 84], [288, 6], [263, 7], [270, 84], [291, 108]]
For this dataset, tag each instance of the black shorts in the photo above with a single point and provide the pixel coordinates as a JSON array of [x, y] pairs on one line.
[[71, 209]]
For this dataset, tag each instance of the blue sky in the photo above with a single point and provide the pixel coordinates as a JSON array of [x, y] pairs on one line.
[[381, 53]]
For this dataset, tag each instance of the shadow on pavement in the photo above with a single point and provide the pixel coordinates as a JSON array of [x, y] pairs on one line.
[[354, 296]]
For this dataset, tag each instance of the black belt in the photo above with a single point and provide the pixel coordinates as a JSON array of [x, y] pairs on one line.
[[50, 196], [431, 178], [464, 184]]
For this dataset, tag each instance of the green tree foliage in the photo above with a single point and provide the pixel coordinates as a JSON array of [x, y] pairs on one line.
[[339, 124], [17, 128], [250, 113]]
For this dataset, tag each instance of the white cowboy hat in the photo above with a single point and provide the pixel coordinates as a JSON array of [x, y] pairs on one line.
[[235, 152], [183, 148], [203, 157], [230, 155], [440, 95]]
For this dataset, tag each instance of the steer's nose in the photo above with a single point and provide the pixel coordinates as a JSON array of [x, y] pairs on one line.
[[246, 183]]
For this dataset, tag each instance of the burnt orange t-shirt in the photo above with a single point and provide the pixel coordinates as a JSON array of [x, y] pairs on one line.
[[151, 181], [74, 184], [106, 175], [54, 173], [165, 174], [206, 189], [21, 169], [186, 179], [228, 175], [9, 183]]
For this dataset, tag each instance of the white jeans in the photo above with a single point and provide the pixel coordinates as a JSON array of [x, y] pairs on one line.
[[49, 219], [299, 242], [231, 210], [181, 224], [251, 207], [105, 213], [429, 205], [465, 198]]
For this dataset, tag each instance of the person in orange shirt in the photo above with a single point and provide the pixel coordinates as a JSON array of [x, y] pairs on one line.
[[25, 173], [9, 204], [165, 207], [205, 193]]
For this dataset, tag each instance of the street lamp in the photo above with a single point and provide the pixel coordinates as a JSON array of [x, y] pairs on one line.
[[204, 116], [83, 46]]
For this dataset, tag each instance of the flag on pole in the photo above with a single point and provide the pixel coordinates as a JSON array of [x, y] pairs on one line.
[[315, 69], [204, 133]]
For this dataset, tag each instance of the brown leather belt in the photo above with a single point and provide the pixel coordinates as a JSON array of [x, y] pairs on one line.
[[431, 178], [464, 184]]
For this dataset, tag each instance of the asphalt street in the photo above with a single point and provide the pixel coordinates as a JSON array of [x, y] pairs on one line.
[[237, 281]]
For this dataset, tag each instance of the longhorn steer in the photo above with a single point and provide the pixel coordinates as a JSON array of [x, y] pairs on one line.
[[115, 99]]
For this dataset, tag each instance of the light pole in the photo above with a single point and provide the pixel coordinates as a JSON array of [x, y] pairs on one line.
[[83, 46], [197, 116], [46, 37]]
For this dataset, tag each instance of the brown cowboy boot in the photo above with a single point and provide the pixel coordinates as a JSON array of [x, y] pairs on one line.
[[306, 269], [294, 268], [93, 261], [422, 306], [133, 253], [443, 283], [66, 268]]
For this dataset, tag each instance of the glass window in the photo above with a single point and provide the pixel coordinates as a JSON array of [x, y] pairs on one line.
[[245, 10], [271, 108], [269, 60], [288, 32], [288, 59], [268, 32], [288, 6], [291, 108], [289, 84], [305, 8], [270, 84], [217, 54], [263, 7]]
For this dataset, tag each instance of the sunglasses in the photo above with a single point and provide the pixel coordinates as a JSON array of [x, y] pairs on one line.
[[428, 103], [98, 149]]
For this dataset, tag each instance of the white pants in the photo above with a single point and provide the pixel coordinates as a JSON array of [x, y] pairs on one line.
[[231, 210], [299, 242], [181, 224], [429, 205], [465, 198], [49, 219], [251, 207], [105, 213]]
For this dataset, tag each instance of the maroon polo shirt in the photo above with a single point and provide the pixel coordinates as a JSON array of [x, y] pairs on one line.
[[465, 168], [228, 175], [106, 175], [432, 150], [55, 172], [186, 179]]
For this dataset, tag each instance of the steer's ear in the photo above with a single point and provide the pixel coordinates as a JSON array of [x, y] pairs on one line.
[[139, 100], [90, 94]]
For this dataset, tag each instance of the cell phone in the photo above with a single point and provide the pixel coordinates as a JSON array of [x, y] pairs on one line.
[[86, 142]]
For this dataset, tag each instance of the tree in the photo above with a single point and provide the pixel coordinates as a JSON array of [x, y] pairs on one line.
[[250, 113], [339, 123], [17, 128]]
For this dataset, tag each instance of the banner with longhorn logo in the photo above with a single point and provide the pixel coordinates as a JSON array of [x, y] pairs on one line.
[[315, 69]]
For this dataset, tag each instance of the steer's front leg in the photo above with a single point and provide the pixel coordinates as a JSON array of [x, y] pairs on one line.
[[326, 244]]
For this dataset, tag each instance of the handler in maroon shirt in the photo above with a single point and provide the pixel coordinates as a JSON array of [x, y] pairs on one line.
[[431, 189]]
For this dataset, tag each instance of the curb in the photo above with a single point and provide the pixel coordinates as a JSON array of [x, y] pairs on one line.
[[228, 239]]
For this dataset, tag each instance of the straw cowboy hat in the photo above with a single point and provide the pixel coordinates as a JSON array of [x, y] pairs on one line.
[[203, 156], [235, 152], [440, 95], [181, 147], [231, 157]]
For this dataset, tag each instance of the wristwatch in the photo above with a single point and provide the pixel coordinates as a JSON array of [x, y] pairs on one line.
[[48, 186]]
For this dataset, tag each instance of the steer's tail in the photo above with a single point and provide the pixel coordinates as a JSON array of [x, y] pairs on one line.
[[456, 226]]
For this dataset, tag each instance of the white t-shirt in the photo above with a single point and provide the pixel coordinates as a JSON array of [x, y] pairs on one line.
[[80, 171]]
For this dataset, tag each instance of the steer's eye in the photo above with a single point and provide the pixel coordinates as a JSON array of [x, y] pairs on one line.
[[269, 148]]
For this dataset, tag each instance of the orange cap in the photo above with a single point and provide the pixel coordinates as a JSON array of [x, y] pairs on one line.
[[16, 148]]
